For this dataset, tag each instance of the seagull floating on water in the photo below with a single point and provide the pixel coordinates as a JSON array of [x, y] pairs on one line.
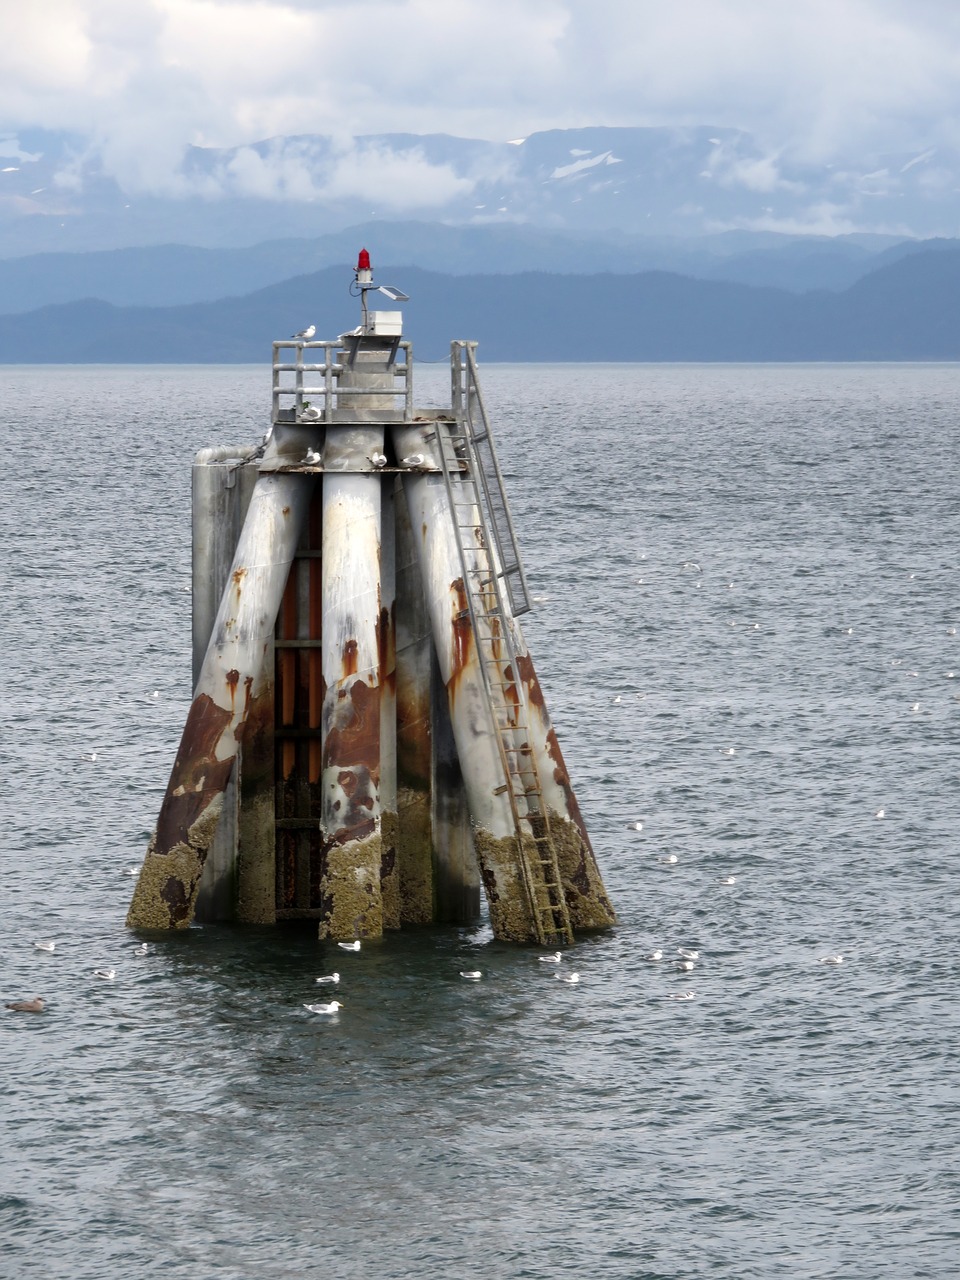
[[617, 700], [45, 946], [880, 813], [654, 955], [27, 1006], [682, 995], [684, 965], [669, 860], [89, 755], [728, 880], [727, 751], [304, 335], [830, 960], [635, 826], [329, 978], [688, 954], [131, 871], [332, 1007], [572, 978], [554, 958], [472, 975], [107, 975], [350, 946]]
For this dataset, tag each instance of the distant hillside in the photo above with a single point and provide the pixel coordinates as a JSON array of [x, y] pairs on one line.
[[907, 310], [171, 274]]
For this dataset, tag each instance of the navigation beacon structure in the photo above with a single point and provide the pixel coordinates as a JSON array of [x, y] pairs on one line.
[[368, 742]]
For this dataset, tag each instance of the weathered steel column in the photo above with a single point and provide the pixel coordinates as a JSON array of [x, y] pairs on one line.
[[494, 827], [224, 698], [389, 822], [587, 900], [350, 816]]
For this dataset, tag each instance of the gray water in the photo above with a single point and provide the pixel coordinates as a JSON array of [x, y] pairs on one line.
[[796, 1119]]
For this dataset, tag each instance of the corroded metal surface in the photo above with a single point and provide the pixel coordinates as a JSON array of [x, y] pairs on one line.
[[226, 689], [387, 646], [477, 746], [587, 900], [414, 748], [350, 774]]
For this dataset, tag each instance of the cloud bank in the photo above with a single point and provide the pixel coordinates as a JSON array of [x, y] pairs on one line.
[[815, 80]]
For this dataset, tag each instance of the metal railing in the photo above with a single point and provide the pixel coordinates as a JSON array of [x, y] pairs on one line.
[[297, 388], [471, 413]]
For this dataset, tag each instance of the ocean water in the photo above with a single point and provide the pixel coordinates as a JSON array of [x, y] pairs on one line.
[[747, 633]]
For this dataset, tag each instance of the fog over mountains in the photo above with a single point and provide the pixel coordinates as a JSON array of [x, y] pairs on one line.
[[56, 192], [690, 243]]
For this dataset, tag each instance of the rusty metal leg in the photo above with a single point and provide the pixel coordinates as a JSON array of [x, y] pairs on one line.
[[414, 654], [494, 827], [389, 871], [226, 690], [350, 817], [583, 887]]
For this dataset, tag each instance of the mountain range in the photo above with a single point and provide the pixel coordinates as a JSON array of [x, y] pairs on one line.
[[908, 309], [60, 193]]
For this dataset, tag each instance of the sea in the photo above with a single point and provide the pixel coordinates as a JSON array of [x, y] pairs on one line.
[[747, 605]]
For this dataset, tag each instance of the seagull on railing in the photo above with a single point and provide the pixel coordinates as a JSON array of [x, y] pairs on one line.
[[378, 459], [305, 335]]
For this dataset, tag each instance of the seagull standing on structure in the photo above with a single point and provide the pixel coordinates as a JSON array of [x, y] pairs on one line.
[[306, 334]]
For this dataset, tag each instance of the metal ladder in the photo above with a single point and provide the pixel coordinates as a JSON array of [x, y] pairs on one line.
[[482, 550]]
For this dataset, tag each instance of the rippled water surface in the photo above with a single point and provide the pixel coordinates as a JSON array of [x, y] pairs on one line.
[[761, 564]]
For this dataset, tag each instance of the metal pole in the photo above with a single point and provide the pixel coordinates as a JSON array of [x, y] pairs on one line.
[[387, 640], [225, 704], [477, 746]]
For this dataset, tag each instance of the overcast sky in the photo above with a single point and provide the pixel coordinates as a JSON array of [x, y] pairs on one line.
[[147, 77]]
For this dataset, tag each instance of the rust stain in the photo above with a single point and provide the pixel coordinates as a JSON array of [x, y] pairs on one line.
[[284, 511], [238, 576], [348, 663], [232, 679], [177, 896], [462, 630], [198, 776]]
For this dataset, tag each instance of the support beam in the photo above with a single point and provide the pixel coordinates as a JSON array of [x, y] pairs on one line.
[[230, 679]]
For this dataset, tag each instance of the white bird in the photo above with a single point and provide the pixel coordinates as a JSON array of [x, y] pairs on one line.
[[654, 955], [332, 1007], [635, 826], [108, 975], [415, 460], [669, 860], [350, 946], [309, 413], [27, 1006], [830, 960], [378, 459], [572, 978], [617, 700], [879, 813], [131, 871], [154, 696], [472, 975], [45, 946], [554, 958], [682, 995], [142, 950], [684, 965], [728, 880], [727, 751], [329, 978], [312, 457], [304, 335], [915, 707], [89, 755], [688, 954]]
